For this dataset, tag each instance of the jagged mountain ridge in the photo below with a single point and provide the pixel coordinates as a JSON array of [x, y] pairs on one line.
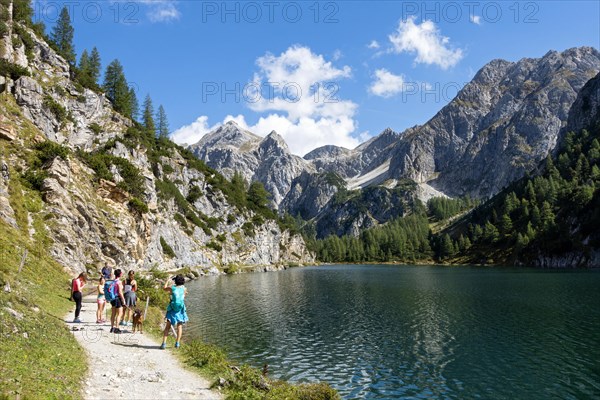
[[268, 160], [498, 127], [88, 220]]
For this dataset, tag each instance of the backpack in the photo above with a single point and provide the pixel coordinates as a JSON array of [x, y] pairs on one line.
[[110, 290], [177, 294]]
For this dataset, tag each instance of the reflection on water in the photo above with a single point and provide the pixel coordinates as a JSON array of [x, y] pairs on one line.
[[411, 332]]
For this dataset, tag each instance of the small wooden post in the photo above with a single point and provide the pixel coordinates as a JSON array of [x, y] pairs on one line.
[[146, 310]]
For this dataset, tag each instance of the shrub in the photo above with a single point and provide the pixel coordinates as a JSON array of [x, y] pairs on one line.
[[248, 229], [194, 194], [138, 205], [133, 182], [26, 39], [48, 151], [150, 287], [34, 178], [221, 238], [55, 108], [167, 250], [181, 220], [167, 169], [13, 70], [215, 246], [94, 127], [258, 220], [230, 219]]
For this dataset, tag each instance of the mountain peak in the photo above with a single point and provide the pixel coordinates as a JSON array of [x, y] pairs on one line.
[[272, 140], [228, 135]]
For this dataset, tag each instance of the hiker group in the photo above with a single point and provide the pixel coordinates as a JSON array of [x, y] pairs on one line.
[[122, 296]]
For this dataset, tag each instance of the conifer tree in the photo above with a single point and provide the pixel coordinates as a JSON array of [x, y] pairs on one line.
[[62, 36], [134, 104], [148, 117], [83, 72], [162, 123], [95, 66], [116, 88]]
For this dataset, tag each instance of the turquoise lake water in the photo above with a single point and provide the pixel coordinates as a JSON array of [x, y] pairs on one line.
[[394, 332]]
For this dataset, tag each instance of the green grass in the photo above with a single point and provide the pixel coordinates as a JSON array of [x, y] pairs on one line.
[[246, 382], [48, 363]]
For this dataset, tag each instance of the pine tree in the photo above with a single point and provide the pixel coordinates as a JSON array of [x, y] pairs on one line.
[[238, 189], [506, 225], [547, 216], [531, 196], [521, 242], [22, 11], [258, 197], [116, 88], [490, 232], [148, 117], [62, 36], [447, 249], [95, 65], [530, 232], [83, 73], [163, 123], [135, 105]]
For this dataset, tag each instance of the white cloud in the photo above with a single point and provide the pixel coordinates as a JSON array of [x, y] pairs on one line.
[[386, 84], [308, 116], [475, 19], [192, 133], [426, 41], [373, 45], [161, 10]]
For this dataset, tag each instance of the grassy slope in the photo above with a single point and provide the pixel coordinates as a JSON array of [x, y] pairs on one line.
[[40, 357]]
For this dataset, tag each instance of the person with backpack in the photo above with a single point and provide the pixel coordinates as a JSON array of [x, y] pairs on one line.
[[129, 290], [77, 285], [176, 313], [113, 292]]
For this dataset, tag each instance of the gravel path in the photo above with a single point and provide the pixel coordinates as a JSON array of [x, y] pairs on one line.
[[131, 366]]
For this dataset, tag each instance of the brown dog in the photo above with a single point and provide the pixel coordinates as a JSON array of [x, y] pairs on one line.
[[138, 320]]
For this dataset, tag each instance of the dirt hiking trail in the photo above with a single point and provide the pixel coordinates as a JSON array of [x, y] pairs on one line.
[[131, 366]]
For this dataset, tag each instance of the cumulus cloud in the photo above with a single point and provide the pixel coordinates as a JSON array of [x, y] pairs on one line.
[[190, 134], [161, 10], [426, 41], [386, 84], [475, 19], [301, 103], [373, 45]]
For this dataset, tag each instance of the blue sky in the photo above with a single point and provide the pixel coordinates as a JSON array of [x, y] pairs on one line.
[[328, 72]]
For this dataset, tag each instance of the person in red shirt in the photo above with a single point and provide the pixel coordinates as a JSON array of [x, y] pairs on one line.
[[76, 286]]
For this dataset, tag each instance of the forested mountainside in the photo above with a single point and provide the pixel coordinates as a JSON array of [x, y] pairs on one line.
[[86, 179], [549, 218]]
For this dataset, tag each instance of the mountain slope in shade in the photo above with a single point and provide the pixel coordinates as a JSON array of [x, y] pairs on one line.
[[551, 218]]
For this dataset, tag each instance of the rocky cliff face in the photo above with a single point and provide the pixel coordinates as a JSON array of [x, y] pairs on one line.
[[585, 111], [498, 127], [267, 160], [88, 220]]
